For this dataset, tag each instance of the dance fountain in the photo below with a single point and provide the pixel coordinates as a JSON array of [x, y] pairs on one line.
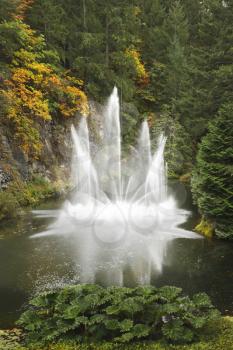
[[121, 216]]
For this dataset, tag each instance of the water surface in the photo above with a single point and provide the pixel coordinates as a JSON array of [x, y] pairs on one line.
[[28, 266]]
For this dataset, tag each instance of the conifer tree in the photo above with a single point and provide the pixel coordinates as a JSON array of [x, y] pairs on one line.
[[212, 183], [176, 29], [7, 9]]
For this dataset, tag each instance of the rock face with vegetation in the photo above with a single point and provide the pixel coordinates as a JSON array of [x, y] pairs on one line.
[[38, 105]]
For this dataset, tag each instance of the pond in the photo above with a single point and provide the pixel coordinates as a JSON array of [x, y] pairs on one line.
[[28, 266]]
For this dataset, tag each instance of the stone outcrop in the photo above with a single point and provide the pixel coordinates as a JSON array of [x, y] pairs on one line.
[[53, 163]]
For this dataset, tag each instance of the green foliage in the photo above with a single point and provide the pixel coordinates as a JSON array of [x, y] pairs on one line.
[[176, 29], [217, 336], [179, 149], [7, 9], [19, 194], [211, 184], [90, 38], [33, 192], [90, 313], [129, 121], [8, 206]]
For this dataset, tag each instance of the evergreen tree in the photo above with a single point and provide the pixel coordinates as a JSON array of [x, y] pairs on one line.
[[153, 41], [212, 184], [91, 39], [49, 19], [209, 65], [7, 9], [176, 29], [222, 54]]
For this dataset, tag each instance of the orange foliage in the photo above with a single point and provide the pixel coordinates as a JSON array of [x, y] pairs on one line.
[[25, 132], [22, 8], [73, 98], [70, 99], [142, 75]]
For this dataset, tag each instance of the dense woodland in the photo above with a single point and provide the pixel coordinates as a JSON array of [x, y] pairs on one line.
[[172, 62]]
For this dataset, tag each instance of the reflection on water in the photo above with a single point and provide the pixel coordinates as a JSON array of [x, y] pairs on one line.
[[28, 266]]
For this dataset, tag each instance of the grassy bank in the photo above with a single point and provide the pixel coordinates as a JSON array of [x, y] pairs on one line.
[[218, 336]]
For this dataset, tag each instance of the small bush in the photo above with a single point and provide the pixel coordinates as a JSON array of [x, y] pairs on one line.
[[205, 228], [90, 313], [33, 192], [38, 190], [8, 206]]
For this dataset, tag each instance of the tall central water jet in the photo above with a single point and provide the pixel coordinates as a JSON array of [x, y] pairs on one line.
[[120, 218], [112, 144]]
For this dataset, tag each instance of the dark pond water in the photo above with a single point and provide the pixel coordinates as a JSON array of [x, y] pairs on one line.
[[28, 266]]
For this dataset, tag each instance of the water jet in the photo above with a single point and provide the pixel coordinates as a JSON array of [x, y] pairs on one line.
[[121, 214]]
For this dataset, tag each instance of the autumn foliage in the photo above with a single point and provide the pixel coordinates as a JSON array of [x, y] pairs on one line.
[[141, 73], [22, 6], [35, 93]]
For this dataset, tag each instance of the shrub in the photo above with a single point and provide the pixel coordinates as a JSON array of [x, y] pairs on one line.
[[33, 192], [37, 190], [212, 184], [8, 206], [90, 313], [205, 228]]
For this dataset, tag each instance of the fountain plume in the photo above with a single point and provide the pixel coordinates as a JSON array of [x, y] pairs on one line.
[[118, 226]]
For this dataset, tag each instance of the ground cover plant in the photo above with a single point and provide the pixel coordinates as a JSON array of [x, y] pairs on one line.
[[91, 313]]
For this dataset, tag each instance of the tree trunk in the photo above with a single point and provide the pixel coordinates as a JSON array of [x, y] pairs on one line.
[[107, 41], [84, 16]]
